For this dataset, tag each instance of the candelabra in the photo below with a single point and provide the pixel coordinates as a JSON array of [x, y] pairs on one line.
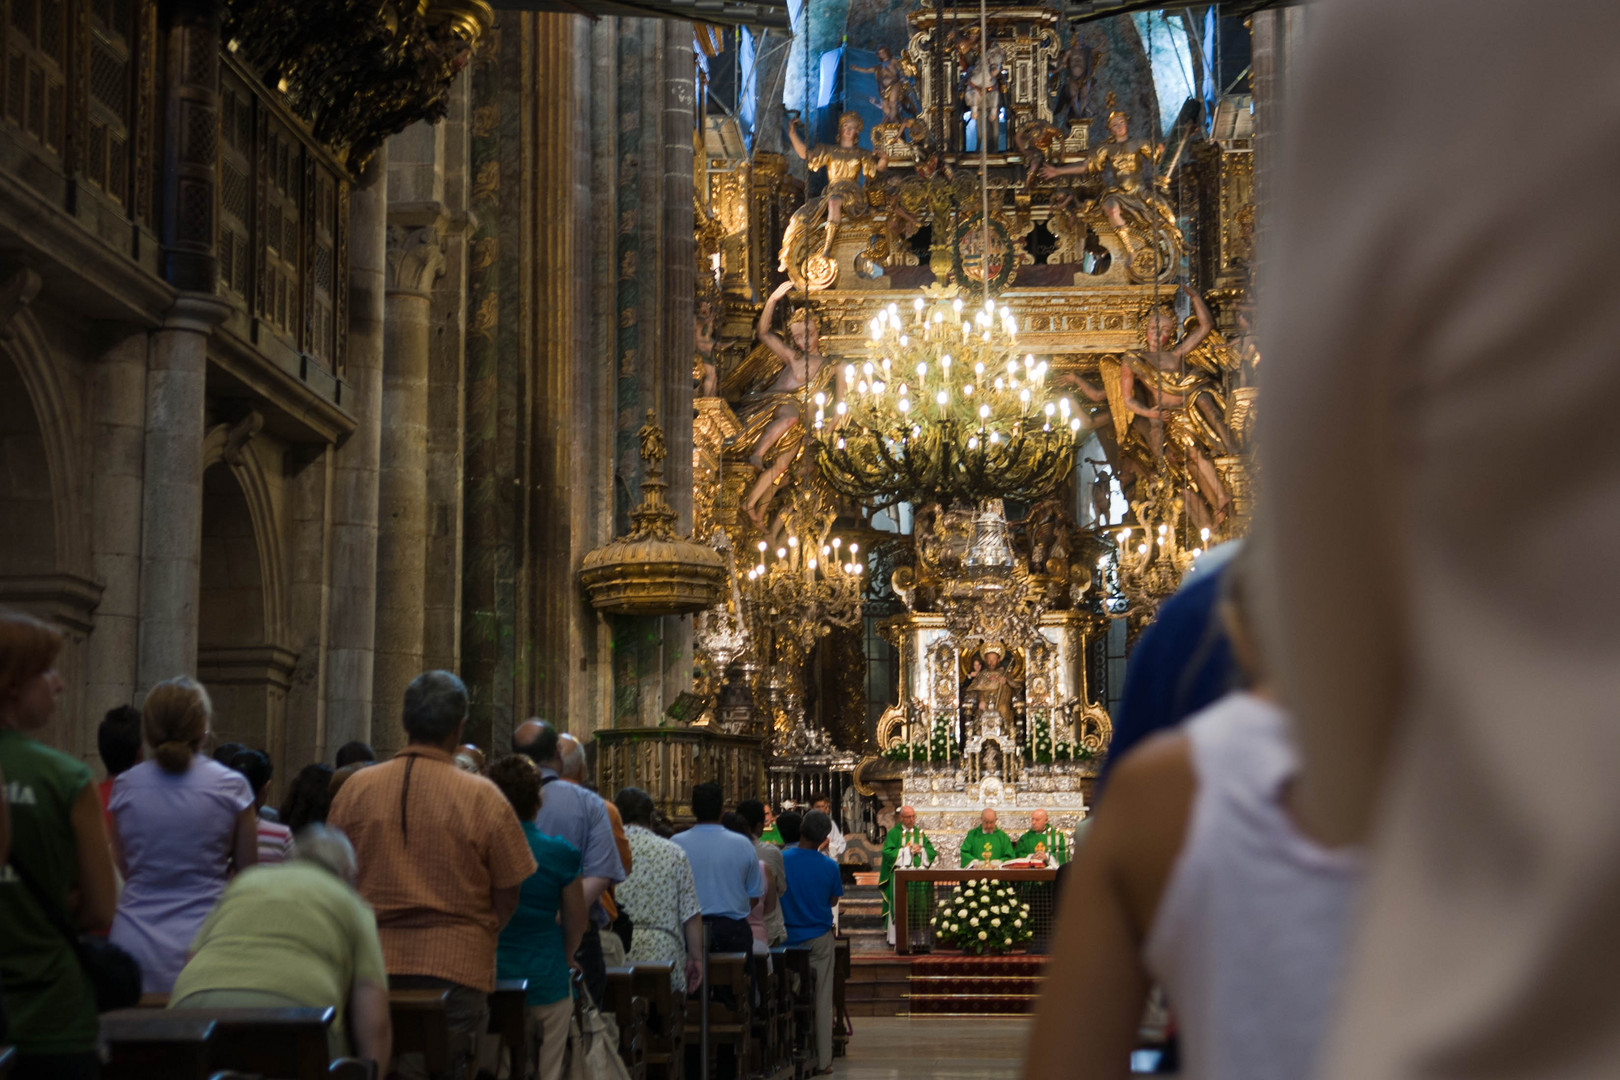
[[1151, 563], [945, 408], [792, 597]]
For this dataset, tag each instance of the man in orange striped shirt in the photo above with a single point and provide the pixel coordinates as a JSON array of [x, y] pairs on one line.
[[442, 857]]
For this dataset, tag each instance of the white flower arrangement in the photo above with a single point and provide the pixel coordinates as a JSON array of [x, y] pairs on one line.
[[983, 916]]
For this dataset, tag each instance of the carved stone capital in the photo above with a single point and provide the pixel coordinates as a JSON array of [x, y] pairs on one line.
[[415, 259]]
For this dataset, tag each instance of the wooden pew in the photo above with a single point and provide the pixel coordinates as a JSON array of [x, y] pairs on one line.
[[728, 1024], [421, 1026], [842, 1028], [152, 1045], [666, 1022], [803, 1008], [509, 1020], [277, 1044], [629, 1012], [764, 1036]]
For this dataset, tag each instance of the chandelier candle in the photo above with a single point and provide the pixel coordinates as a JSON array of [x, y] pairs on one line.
[[946, 407]]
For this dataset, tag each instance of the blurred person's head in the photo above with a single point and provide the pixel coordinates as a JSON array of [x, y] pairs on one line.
[[224, 752], [571, 756], [469, 759], [118, 739], [308, 797], [753, 812], [256, 766], [708, 802], [635, 806], [29, 683], [908, 817], [435, 710], [355, 753], [788, 825], [817, 826], [537, 740], [175, 721], [519, 780], [339, 777], [327, 848], [736, 823], [1037, 821], [987, 819], [820, 801]]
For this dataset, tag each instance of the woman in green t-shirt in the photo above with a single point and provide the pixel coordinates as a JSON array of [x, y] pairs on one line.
[[545, 930], [59, 838]]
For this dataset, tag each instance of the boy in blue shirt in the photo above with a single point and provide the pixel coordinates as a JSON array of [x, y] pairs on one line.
[[813, 888]]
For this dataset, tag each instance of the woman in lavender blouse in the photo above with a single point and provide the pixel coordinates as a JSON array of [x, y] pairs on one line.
[[182, 823]]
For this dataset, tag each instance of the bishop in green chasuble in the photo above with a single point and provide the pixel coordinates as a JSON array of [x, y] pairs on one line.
[[987, 843], [906, 847], [1042, 831]]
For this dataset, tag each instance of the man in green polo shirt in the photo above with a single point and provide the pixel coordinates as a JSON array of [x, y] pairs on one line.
[[987, 844]]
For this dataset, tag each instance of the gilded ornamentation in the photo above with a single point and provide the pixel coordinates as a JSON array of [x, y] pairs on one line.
[[652, 571], [357, 72]]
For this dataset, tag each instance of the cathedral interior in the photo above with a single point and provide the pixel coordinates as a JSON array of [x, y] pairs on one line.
[[535, 341]]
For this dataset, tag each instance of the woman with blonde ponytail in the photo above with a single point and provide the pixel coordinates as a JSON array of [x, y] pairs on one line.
[[182, 824]]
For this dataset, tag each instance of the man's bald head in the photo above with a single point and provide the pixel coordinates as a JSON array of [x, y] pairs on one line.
[[537, 740], [988, 818], [908, 816], [571, 755], [1037, 821]]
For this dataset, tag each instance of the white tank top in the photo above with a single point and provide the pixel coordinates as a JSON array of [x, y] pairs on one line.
[[1249, 937]]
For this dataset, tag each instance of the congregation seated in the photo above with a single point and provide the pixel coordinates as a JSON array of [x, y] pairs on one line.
[[296, 934], [549, 922], [441, 861], [182, 823]]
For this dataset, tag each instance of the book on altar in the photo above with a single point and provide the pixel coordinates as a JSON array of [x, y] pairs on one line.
[[1032, 862]]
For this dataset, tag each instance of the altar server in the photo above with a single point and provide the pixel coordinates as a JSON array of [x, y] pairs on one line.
[[987, 843], [1054, 841], [907, 847]]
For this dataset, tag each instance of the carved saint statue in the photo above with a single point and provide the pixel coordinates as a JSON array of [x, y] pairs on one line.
[[995, 692], [1134, 192], [770, 414], [846, 164], [1075, 68], [982, 91], [895, 94], [652, 440]]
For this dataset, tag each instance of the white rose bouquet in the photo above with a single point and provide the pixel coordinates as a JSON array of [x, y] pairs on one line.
[[982, 916]]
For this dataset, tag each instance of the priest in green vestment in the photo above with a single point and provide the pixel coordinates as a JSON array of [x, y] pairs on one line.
[[906, 846], [987, 843], [1042, 832], [771, 835]]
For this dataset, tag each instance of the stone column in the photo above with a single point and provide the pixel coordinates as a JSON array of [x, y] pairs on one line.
[[415, 261], [1276, 36], [353, 497], [560, 306], [171, 504], [117, 445]]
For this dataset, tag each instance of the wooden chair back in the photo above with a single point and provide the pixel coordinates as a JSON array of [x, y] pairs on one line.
[[422, 1026], [145, 1044]]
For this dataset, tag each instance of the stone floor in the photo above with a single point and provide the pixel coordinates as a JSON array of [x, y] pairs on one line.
[[902, 1048]]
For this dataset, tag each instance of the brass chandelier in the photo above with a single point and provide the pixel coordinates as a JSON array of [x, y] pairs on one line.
[[945, 408]]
